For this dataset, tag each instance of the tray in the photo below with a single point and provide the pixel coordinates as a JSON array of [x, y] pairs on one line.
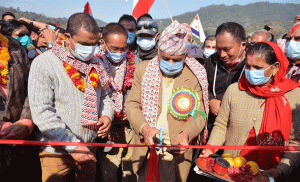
[[202, 170]]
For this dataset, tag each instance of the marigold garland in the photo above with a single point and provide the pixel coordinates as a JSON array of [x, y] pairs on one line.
[[76, 76], [4, 59]]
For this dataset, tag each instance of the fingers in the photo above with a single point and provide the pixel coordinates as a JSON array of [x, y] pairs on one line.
[[205, 153]]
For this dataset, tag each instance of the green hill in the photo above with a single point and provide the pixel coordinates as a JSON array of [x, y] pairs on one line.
[[40, 17], [252, 16]]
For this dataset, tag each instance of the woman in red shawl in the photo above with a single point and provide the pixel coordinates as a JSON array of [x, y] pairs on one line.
[[262, 109]]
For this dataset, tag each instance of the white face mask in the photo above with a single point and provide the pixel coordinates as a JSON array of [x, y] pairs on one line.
[[83, 53], [146, 43], [208, 52]]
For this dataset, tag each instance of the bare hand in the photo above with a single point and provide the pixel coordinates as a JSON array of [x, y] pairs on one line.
[[82, 154], [24, 19], [205, 153], [182, 139], [16, 131], [49, 34], [149, 132], [104, 124], [214, 105]]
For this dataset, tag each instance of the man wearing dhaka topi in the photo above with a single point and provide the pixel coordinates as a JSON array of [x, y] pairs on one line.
[[168, 100], [69, 102]]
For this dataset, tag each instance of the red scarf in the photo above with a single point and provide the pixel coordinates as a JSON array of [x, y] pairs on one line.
[[277, 117]]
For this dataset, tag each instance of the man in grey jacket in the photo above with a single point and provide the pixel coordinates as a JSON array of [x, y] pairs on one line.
[[69, 102]]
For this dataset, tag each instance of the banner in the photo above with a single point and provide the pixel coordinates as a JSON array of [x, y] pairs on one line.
[[141, 7], [87, 9], [197, 29]]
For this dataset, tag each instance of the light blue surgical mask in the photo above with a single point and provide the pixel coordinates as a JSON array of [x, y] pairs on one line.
[[257, 77], [82, 52], [208, 52], [146, 43], [116, 57], [292, 50], [131, 38], [25, 41], [171, 69]]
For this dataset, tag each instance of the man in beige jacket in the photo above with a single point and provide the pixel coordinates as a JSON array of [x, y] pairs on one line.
[[151, 102]]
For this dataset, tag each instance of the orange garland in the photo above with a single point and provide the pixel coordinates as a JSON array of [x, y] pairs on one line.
[[76, 76], [4, 59]]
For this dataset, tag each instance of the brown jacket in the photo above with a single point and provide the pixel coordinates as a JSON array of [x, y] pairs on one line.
[[241, 111], [133, 110], [16, 105]]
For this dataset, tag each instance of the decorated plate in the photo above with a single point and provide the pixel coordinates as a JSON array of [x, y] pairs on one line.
[[183, 102]]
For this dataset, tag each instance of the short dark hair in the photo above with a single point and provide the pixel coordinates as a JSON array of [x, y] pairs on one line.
[[235, 29], [113, 28], [265, 50], [81, 20], [210, 37], [144, 15], [8, 13], [8, 27], [127, 18]]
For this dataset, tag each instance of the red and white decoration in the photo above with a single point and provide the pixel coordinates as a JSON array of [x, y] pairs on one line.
[[141, 7]]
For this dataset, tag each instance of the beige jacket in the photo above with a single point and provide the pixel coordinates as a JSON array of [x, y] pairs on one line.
[[241, 111], [133, 110]]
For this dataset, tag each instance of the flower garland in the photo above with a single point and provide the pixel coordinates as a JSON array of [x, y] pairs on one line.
[[60, 40], [4, 59], [76, 76], [130, 70]]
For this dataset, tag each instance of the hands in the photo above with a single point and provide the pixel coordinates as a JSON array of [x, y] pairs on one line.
[[149, 132], [214, 105], [104, 124], [15, 131], [182, 139], [205, 153], [49, 34], [82, 154], [25, 20]]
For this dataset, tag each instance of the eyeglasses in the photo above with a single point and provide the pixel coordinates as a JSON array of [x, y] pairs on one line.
[[147, 24], [139, 27]]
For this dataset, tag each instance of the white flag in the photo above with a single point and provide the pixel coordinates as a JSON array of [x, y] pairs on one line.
[[197, 29]]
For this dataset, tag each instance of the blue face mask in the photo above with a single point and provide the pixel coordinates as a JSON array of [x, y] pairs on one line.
[[257, 77], [170, 69], [292, 50], [146, 43], [25, 41], [82, 52], [208, 52], [131, 38], [116, 57]]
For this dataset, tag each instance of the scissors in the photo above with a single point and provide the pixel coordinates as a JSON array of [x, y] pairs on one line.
[[160, 139]]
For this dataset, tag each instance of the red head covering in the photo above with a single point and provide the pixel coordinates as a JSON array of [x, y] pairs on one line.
[[277, 114]]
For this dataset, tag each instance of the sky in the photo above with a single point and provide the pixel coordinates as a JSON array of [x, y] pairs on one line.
[[111, 10]]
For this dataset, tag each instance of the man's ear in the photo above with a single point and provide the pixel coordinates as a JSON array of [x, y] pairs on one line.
[[244, 45], [157, 36], [67, 37]]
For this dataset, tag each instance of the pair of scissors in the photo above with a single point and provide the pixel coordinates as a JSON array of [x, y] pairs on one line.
[[160, 139]]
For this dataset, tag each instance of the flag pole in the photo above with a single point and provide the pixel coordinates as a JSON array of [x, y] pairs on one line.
[[168, 10]]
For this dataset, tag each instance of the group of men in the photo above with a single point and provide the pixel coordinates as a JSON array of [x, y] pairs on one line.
[[70, 90]]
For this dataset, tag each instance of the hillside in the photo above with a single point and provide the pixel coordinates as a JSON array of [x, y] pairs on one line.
[[40, 17], [252, 16]]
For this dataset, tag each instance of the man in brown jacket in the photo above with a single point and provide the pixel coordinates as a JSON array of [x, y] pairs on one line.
[[152, 99]]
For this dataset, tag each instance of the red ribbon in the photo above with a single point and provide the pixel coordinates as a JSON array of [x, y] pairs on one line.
[[56, 143], [153, 166]]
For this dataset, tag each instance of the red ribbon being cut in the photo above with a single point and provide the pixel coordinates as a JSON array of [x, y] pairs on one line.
[[153, 166]]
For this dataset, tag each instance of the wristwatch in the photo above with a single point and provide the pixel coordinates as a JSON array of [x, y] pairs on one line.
[[49, 45]]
